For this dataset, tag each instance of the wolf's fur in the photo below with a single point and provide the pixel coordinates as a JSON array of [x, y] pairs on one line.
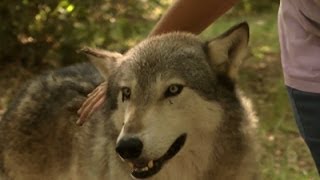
[[39, 138]]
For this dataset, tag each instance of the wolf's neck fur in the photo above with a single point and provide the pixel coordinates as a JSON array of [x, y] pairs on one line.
[[204, 159]]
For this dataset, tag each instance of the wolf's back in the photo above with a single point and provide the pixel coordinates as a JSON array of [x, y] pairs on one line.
[[38, 130]]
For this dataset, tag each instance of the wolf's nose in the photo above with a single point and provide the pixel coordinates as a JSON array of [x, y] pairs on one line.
[[129, 148]]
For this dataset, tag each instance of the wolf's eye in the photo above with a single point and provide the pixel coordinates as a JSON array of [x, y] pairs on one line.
[[126, 92], [173, 90]]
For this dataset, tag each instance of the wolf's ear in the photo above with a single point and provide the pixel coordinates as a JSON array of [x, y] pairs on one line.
[[227, 51], [104, 61]]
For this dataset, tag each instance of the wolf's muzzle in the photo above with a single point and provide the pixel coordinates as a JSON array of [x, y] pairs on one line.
[[129, 148]]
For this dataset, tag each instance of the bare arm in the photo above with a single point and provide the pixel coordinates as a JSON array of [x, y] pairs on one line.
[[192, 15]]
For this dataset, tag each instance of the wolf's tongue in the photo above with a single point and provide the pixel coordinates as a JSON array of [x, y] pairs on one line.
[[150, 164]]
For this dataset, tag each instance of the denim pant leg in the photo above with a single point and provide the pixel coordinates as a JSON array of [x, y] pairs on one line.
[[306, 108]]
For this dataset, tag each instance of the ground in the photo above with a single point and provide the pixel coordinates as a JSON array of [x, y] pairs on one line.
[[283, 153]]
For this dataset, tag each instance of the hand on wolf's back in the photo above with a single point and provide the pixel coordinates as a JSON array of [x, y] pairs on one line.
[[92, 103]]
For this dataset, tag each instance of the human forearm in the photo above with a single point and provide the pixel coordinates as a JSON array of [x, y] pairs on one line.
[[192, 15]]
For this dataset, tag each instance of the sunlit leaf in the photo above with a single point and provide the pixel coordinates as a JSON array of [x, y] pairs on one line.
[[70, 8]]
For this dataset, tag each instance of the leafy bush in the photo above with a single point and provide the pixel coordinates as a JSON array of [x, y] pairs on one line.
[[36, 32]]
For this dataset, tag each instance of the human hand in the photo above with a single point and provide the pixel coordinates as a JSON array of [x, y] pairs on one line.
[[94, 101]]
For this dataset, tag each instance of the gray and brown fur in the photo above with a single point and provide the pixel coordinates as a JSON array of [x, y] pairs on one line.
[[40, 140]]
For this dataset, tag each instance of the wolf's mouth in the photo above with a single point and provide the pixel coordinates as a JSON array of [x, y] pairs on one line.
[[145, 170]]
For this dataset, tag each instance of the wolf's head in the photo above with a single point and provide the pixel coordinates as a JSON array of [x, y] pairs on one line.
[[167, 94]]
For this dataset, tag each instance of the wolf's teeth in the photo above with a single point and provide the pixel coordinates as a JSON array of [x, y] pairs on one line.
[[131, 165], [150, 164], [141, 169], [123, 160]]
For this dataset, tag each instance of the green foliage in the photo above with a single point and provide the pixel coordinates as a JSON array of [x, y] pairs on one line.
[[253, 6], [37, 32], [50, 32]]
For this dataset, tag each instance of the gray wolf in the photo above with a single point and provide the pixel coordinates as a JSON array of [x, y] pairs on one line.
[[173, 111]]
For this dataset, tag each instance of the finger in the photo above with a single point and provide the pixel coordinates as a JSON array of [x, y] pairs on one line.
[[97, 93], [89, 110], [98, 89], [85, 104], [97, 106], [88, 107], [94, 91], [88, 101]]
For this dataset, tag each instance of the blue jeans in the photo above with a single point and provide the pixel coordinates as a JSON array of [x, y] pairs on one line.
[[306, 108]]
